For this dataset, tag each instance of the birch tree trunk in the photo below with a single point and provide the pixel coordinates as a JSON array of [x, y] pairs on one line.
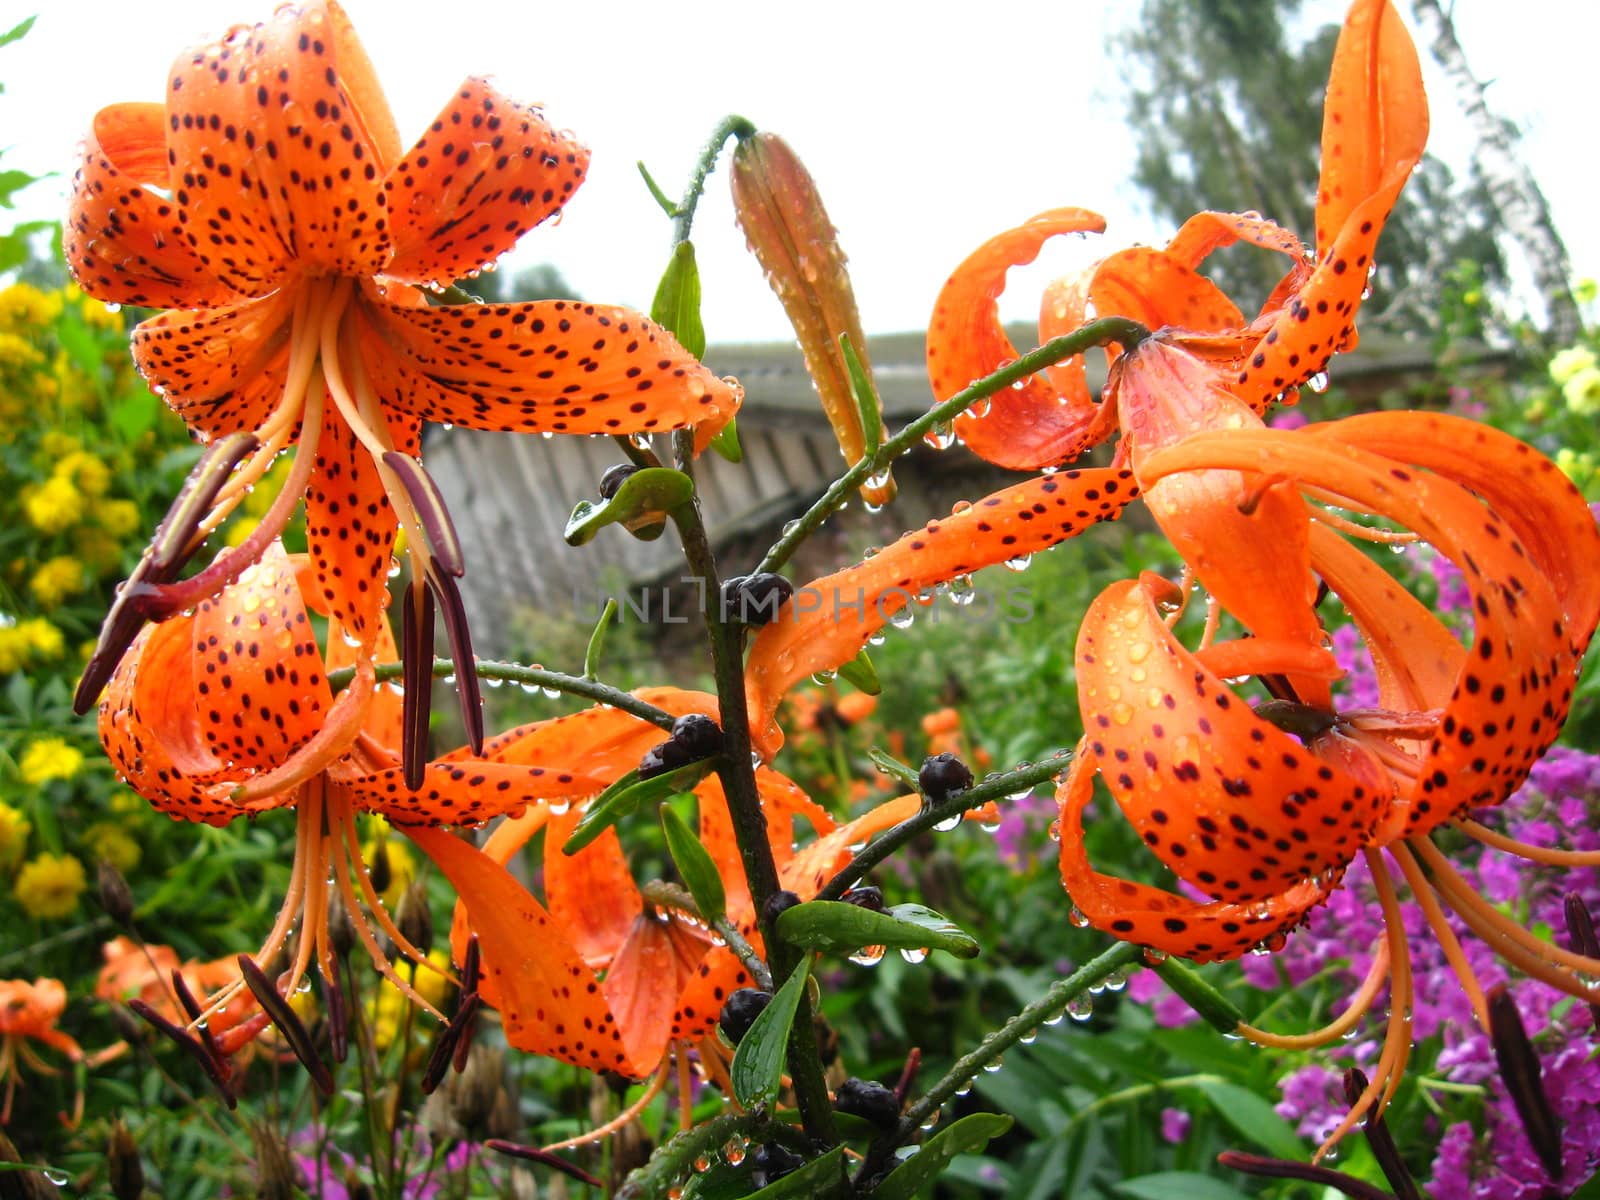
[[1511, 185]]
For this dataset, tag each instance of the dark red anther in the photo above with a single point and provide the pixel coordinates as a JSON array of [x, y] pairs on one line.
[[1580, 925], [908, 1074], [338, 1018], [1382, 1141], [215, 1069], [1524, 1078], [416, 664], [288, 1022], [545, 1157], [444, 546], [1283, 1168], [455, 627]]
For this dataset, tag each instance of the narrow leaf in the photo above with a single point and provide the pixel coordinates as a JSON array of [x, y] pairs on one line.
[[967, 1136], [626, 795], [860, 673], [832, 925], [597, 641], [676, 307], [758, 1063], [1178, 1185], [18, 30], [695, 865], [866, 396], [726, 442], [1252, 1117], [894, 768], [667, 206]]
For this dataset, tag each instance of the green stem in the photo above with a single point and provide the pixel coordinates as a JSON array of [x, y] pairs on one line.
[[732, 126], [737, 772], [1097, 333], [966, 1068], [558, 681], [891, 840]]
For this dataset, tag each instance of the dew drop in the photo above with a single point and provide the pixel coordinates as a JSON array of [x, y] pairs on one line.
[[867, 956], [949, 823], [1080, 1007], [914, 955]]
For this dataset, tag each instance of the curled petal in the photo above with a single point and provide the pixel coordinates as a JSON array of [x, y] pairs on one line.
[[123, 241], [1161, 920], [1029, 426], [1232, 804], [828, 622], [487, 171], [549, 1000], [547, 366], [1160, 291], [1206, 232], [276, 162], [658, 961]]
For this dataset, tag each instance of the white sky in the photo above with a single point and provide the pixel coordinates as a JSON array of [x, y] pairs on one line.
[[929, 126]]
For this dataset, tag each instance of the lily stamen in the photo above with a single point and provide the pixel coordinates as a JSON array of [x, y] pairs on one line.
[[1377, 975]]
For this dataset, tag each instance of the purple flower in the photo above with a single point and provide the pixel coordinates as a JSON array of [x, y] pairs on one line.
[[1174, 1125], [1289, 418]]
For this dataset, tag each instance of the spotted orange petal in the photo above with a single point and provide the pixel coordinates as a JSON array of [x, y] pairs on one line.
[[549, 1000], [124, 241], [1374, 129], [830, 620], [656, 964], [1161, 920], [487, 171], [259, 686], [276, 165], [1160, 291], [592, 892], [548, 366], [782, 800], [1026, 426], [221, 369], [463, 792], [1206, 232]]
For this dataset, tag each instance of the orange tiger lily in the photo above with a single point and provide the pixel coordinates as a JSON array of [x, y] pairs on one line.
[[29, 1012], [268, 205], [204, 704], [605, 974], [1205, 367], [1375, 125], [1261, 809]]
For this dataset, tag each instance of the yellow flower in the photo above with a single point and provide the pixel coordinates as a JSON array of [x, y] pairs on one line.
[[89, 473], [49, 758], [402, 864], [14, 830], [239, 530], [387, 1009], [16, 352], [99, 551], [1584, 291], [44, 639], [53, 505], [24, 306], [110, 841], [14, 649], [56, 445], [119, 517], [57, 579], [1564, 364], [1582, 391], [128, 801], [49, 886]]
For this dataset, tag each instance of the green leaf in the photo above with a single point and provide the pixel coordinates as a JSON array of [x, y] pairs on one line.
[[820, 1177], [12, 182], [726, 442], [667, 206], [1178, 1185], [1196, 991], [860, 673], [894, 768], [758, 1062], [627, 794], [135, 413], [1252, 1117], [694, 864], [676, 307], [16, 31], [834, 925], [640, 505], [866, 396], [597, 641], [966, 1136]]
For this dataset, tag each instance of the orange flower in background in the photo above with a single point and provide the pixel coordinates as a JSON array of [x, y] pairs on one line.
[[28, 1013], [1375, 125], [205, 709], [144, 973], [269, 205], [1205, 367], [1260, 809]]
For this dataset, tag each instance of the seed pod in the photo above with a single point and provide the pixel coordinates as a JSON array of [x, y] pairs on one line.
[[697, 735], [740, 1012], [870, 1101], [865, 897], [413, 918], [943, 775], [614, 479], [777, 904], [755, 599], [124, 1171], [777, 204], [772, 1162]]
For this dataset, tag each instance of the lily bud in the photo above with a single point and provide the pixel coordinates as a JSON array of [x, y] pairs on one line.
[[125, 1171], [277, 1177], [413, 918], [780, 210], [115, 896]]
